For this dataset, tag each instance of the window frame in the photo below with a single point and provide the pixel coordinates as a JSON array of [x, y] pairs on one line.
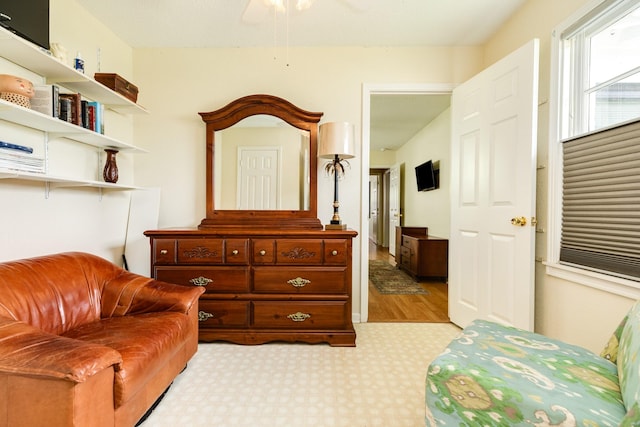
[[557, 131]]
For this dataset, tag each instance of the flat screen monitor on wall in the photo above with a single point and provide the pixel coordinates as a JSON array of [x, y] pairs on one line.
[[27, 18], [427, 175]]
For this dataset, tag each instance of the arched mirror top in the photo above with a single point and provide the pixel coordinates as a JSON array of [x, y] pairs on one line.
[[235, 201], [253, 105]]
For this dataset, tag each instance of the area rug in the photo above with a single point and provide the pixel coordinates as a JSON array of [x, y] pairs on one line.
[[390, 280]]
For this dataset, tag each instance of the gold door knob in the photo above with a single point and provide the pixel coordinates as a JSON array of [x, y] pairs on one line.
[[519, 220]]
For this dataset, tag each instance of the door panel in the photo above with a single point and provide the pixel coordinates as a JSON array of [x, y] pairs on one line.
[[258, 181], [373, 207], [494, 122], [394, 207]]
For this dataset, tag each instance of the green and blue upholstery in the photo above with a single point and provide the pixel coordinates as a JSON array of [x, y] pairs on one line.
[[495, 375]]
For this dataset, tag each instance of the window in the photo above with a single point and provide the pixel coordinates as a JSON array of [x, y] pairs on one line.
[[601, 69], [597, 179]]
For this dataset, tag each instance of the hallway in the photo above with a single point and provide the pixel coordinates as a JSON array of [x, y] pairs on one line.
[[429, 308]]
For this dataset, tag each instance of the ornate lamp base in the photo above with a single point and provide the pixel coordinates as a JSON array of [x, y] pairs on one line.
[[335, 227]]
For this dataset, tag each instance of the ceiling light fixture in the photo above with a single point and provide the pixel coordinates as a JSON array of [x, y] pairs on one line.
[[280, 6]]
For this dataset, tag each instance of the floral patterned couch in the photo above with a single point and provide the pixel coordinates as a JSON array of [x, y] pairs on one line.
[[493, 375]]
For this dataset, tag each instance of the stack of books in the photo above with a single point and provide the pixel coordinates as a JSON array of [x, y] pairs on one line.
[[19, 158], [69, 107]]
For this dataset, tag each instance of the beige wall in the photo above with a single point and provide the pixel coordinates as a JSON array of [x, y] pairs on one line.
[[176, 84], [565, 310], [69, 219], [430, 208]]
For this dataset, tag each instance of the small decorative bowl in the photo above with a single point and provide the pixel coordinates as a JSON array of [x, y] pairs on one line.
[[16, 98], [16, 90]]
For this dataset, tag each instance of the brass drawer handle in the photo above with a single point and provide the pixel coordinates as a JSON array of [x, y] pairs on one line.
[[164, 252], [298, 282], [263, 252], [334, 252], [200, 281], [203, 316], [235, 252], [299, 316]]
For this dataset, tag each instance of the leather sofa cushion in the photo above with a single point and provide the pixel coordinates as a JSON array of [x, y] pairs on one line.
[[54, 293], [145, 342]]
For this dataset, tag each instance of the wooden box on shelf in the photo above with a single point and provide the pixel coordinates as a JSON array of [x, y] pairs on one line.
[[118, 84]]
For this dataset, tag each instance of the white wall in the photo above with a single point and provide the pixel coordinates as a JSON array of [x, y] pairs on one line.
[[176, 84], [69, 219], [565, 310]]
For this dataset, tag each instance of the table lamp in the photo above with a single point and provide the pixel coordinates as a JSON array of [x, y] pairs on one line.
[[336, 142]]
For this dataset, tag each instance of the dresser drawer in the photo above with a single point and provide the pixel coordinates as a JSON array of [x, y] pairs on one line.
[[164, 251], [236, 251], [263, 251], [200, 251], [302, 280], [336, 252], [299, 251], [216, 314], [300, 314], [213, 279], [408, 240]]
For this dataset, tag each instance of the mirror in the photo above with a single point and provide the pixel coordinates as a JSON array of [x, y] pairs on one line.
[[261, 164], [265, 166]]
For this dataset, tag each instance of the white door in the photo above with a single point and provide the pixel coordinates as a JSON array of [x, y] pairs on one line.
[[493, 177], [258, 178], [394, 206], [374, 184]]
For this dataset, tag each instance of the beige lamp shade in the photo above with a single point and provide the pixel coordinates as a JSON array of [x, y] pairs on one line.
[[336, 138]]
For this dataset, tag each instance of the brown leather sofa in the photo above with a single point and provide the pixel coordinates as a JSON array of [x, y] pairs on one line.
[[86, 343]]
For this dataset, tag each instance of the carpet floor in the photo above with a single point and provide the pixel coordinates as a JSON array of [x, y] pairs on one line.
[[378, 383]]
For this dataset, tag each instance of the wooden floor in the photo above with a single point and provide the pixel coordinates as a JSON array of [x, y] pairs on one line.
[[429, 308]]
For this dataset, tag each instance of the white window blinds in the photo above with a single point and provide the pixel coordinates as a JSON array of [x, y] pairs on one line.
[[601, 208]]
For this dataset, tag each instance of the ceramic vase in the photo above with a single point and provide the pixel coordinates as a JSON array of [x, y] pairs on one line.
[[110, 172]]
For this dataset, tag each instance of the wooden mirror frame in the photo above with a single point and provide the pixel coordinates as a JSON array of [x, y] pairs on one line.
[[231, 114]]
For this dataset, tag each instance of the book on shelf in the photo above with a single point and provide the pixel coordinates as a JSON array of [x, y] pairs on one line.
[[84, 114], [45, 100], [18, 147], [20, 160], [65, 110], [97, 123], [74, 100]]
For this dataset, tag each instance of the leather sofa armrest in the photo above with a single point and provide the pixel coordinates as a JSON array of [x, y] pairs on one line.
[[130, 293], [27, 351]]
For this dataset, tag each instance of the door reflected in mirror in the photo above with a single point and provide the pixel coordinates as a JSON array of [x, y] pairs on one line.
[[262, 163]]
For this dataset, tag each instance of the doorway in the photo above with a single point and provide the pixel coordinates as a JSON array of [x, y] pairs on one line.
[[399, 307]]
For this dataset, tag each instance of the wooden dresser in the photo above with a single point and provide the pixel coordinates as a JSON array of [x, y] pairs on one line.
[[420, 254], [263, 285]]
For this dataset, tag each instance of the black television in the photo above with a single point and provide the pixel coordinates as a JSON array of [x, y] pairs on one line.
[[427, 175], [28, 19]]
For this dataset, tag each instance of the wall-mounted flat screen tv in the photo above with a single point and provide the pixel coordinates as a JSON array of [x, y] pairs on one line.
[[427, 175], [27, 18]]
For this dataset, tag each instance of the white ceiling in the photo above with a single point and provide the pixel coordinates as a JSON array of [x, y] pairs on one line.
[[395, 119], [250, 23]]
